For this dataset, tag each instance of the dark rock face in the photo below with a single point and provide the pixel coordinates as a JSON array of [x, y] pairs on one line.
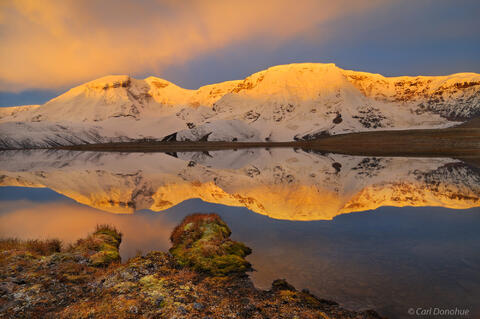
[[312, 136], [170, 138], [371, 117], [465, 105], [458, 101], [338, 167], [247, 84], [338, 119]]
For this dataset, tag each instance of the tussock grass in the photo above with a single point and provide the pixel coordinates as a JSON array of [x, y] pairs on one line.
[[109, 230], [101, 246], [41, 247], [106, 228]]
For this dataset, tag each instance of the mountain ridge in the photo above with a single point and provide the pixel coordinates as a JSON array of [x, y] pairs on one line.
[[281, 103]]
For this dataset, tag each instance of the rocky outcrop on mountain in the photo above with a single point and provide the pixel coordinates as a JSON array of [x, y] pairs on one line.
[[452, 97], [282, 103]]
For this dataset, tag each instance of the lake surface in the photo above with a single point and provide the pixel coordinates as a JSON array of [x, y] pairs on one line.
[[383, 233]]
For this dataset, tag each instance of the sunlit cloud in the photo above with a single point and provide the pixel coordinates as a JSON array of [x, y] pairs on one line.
[[57, 43]]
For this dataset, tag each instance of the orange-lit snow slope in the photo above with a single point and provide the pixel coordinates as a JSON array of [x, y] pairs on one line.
[[282, 103], [280, 183]]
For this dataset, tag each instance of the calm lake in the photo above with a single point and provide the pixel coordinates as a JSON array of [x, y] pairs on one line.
[[368, 232]]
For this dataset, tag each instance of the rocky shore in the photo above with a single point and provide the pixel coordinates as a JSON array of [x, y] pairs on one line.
[[202, 276]]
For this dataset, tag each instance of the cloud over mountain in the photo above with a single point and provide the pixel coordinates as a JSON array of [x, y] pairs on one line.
[[51, 44]]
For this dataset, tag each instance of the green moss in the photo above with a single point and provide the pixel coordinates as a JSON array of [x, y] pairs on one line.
[[104, 258], [188, 227], [155, 289], [202, 243], [107, 247], [151, 282], [101, 247], [289, 296]]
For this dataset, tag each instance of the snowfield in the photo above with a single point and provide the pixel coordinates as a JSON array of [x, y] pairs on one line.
[[282, 103]]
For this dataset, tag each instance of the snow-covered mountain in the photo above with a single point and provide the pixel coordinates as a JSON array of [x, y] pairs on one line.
[[280, 183], [282, 103]]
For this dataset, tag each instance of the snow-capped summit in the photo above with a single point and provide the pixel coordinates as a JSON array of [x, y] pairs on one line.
[[281, 103], [98, 100]]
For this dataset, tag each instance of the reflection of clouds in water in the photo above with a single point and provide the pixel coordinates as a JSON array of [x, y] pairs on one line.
[[26, 219]]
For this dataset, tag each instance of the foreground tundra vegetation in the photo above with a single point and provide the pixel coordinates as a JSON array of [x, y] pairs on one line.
[[202, 276]]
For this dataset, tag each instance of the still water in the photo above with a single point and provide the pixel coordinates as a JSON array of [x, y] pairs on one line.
[[383, 233]]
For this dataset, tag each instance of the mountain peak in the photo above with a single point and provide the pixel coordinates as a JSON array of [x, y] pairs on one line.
[[281, 103], [110, 81], [303, 65]]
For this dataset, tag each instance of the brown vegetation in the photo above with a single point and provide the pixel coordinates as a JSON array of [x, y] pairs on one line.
[[34, 246], [69, 284], [454, 142]]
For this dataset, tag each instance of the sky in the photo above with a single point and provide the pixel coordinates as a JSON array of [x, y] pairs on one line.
[[49, 46]]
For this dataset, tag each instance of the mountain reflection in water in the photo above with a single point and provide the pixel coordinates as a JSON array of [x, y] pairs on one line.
[[279, 183], [390, 259]]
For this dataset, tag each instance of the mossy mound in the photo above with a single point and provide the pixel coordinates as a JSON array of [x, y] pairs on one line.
[[202, 243], [101, 247]]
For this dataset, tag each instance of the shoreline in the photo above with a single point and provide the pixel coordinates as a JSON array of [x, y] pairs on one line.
[[461, 142], [456, 142], [202, 276]]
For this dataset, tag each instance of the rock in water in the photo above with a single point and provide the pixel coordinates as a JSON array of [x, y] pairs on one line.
[[202, 243]]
